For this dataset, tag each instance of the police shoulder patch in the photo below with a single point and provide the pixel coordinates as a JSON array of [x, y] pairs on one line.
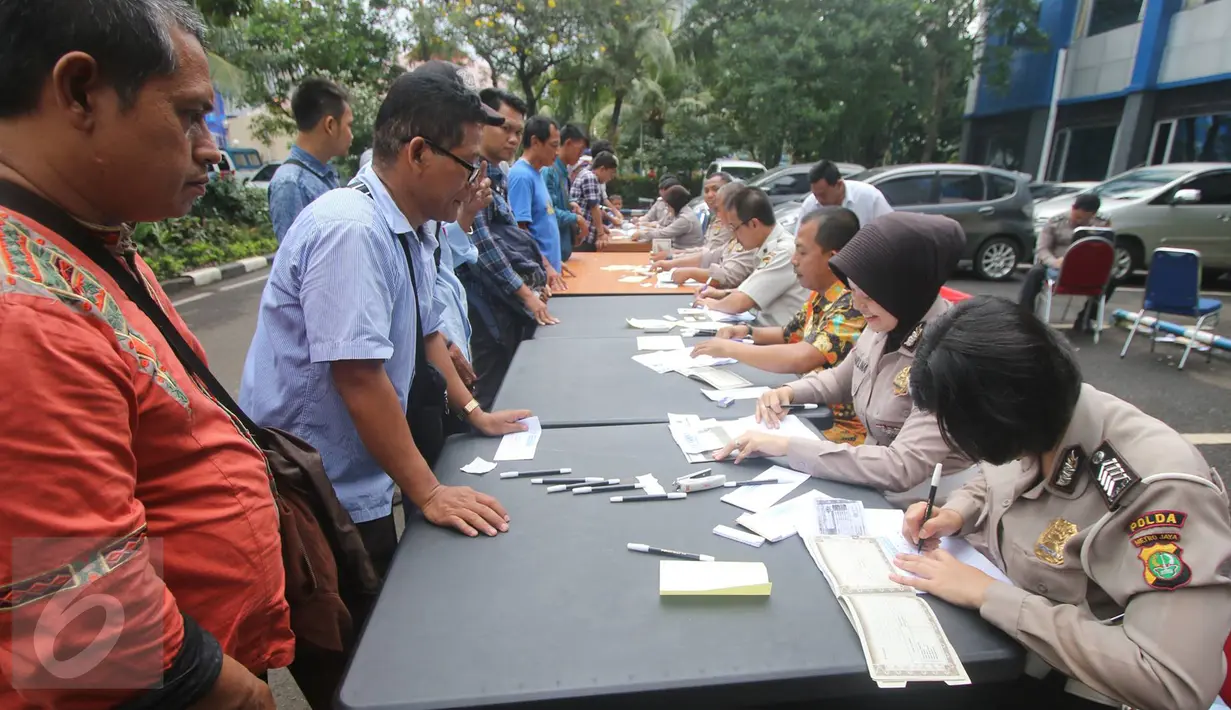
[[912, 340], [1111, 474], [1069, 465], [1163, 565], [1157, 519]]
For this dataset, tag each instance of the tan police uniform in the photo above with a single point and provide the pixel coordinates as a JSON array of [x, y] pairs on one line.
[[1057, 236], [1120, 555], [903, 444]]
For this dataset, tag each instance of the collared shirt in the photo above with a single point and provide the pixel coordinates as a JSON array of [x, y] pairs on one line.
[[728, 265], [293, 188], [108, 446], [587, 191], [555, 176], [1125, 539], [659, 213], [772, 285], [684, 230], [863, 199], [532, 205], [340, 290], [490, 257], [830, 323], [455, 250], [1057, 236]]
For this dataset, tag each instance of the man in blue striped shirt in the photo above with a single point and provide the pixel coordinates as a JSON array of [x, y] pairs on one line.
[[324, 119], [334, 353]]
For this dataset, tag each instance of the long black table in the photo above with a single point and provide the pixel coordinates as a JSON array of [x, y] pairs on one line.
[[556, 613], [604, 316], [571, 382]]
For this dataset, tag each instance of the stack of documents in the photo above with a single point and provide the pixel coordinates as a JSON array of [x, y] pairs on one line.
[[520, 446], [663, 361], [758, 498], [700, 439], [901, 638], [782, 520], [679, 578]]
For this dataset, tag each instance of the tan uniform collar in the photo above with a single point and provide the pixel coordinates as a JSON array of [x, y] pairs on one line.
[[911, 341]]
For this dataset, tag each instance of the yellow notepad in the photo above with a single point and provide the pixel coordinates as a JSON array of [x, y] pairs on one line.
[[681, 578]]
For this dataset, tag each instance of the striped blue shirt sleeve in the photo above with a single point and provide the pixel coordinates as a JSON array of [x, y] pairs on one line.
[[347, 303]]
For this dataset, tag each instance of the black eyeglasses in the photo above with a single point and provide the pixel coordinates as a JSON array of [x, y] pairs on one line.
[[472, 170]]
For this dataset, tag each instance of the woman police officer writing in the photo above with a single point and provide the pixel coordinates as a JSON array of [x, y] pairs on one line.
[[895, 267], [1113, 528]]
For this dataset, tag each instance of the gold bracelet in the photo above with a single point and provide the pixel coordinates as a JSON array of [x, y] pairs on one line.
[[470, 407]]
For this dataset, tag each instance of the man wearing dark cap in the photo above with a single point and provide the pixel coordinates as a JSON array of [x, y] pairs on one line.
[[659, 214], [347, 322]]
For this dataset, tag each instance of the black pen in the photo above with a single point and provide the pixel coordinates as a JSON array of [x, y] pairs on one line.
[[571, 486], [799, 406], [544, 472], [741, 484], [600, 488], [638, 547], [927, 512], [651, 496], [555, 481]]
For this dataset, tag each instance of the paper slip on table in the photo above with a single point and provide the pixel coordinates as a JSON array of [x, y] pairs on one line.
[[557, 613], [569, 382], [605, 316], [590, 279]]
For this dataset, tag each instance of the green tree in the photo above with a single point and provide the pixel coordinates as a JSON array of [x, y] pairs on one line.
[[634, 53], [283, 42], [524, 40]]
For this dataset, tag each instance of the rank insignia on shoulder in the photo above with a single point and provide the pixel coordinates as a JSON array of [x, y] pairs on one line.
[[1111, 474], [1071, 461], [1164, 566], [901, 382], [912, 340]]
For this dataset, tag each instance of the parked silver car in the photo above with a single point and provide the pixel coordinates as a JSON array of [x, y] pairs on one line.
[[1179, 205], [994, 207]]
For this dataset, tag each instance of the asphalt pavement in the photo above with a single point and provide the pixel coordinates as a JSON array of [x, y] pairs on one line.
[[1195, 401]]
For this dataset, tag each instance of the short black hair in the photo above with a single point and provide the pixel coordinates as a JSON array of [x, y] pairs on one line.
[[496, 98], [314, 100], [573, 132], [538, 127], [1001, 383], [677, 197], [602, 145], [668, 181], [837, 226], [752, 203], [604, 160], [132, 41], [423, 104], [1088, 202], [724, 178], [824, 170]]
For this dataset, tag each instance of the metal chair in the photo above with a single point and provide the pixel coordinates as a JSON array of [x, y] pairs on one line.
[[1174, 286], [1085, 271]]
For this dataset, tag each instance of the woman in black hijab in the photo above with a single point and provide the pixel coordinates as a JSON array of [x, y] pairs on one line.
[[895, 266]]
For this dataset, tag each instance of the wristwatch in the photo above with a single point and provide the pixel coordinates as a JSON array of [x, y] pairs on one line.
[[470, 407]]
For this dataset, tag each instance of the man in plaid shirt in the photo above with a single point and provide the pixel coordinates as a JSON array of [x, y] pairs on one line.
[[587, 191]]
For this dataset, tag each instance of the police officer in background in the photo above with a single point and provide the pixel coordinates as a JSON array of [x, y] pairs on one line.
[[895, 268], [1113, 528]]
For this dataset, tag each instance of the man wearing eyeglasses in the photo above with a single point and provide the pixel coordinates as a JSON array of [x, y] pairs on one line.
[[342, 317]]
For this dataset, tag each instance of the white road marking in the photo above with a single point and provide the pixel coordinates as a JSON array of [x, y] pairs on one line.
[[246, 282], [191, 299], [1208, 439]]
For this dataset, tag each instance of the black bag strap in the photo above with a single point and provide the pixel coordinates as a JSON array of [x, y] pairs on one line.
[[49, 215], [301, 164]]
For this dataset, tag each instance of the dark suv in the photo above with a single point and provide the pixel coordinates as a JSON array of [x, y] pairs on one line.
[[994, 207]]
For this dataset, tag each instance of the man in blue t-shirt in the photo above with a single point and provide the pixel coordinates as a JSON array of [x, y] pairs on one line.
[[529, 198]]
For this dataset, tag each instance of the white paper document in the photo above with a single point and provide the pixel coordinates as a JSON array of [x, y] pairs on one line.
[[720, 317], [660, 342], [837, 516], [758, 498], [700, 439], [520, 446], [716, 378], [631, 279], [679, 578], [664, 361], [886, 526], [650, 325], [736, 394], [650, 485], [625, 267], [783, 520], [478, 466], [901, 638]]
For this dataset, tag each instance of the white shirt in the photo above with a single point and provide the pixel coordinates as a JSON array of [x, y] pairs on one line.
[[861, 198]]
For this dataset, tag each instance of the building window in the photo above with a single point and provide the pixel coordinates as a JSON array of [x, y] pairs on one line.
[[1194, 139], [1005, 151], [1080, 154], [1108, 15]]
